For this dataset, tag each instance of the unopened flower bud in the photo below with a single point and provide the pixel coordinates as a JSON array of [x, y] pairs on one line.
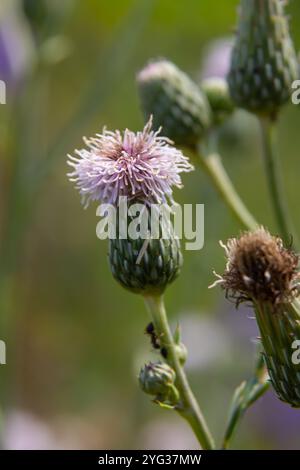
[[262, 271], [264, 62], [181, 352], [175, 101], [145, 265], [157, 379], [217, 93]]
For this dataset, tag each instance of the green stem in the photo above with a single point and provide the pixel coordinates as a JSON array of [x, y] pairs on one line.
[[212, 165], [189, 408], [250, 391], [273, 174]]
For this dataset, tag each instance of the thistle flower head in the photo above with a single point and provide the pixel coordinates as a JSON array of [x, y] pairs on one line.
[[146, 265], [260, 269], [142, 165]]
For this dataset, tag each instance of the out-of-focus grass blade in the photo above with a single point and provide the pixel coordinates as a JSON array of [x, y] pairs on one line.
[[108, 71]]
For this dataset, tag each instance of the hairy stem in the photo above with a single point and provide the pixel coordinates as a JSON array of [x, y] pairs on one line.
[[189, 408], [274, 180]]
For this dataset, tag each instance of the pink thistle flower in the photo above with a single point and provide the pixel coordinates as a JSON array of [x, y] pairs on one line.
[[142, 166]]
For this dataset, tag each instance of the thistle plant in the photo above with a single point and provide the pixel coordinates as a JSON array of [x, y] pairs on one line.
[[144, 167]]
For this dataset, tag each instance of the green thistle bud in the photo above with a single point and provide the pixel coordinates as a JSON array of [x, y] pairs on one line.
[[261, 271], [264, 62], [157, 379], [146, 265], [279, 329], [175, 101], [217, 93], [181, 352]]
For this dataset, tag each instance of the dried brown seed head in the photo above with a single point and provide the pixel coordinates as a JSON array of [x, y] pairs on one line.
[[260, 268]]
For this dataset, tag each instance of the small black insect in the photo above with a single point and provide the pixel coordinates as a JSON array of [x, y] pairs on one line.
[[164, 352], [151, 332]]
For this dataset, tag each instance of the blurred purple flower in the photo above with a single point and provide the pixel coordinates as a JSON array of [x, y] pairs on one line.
[[217, 57], [140, 165], [24, 431], [278, 421], [167, 433], [16, 47]]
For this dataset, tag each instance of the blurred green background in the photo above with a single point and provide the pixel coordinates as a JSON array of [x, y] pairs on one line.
[[75, 338]]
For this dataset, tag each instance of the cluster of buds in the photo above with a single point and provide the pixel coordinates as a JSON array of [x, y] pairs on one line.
[[261, 271]]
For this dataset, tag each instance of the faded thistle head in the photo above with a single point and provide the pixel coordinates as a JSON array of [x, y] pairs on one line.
[[260, 269], [142, 166]]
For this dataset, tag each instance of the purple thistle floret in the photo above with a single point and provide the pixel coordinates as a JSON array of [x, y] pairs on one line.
[[141, 166]]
